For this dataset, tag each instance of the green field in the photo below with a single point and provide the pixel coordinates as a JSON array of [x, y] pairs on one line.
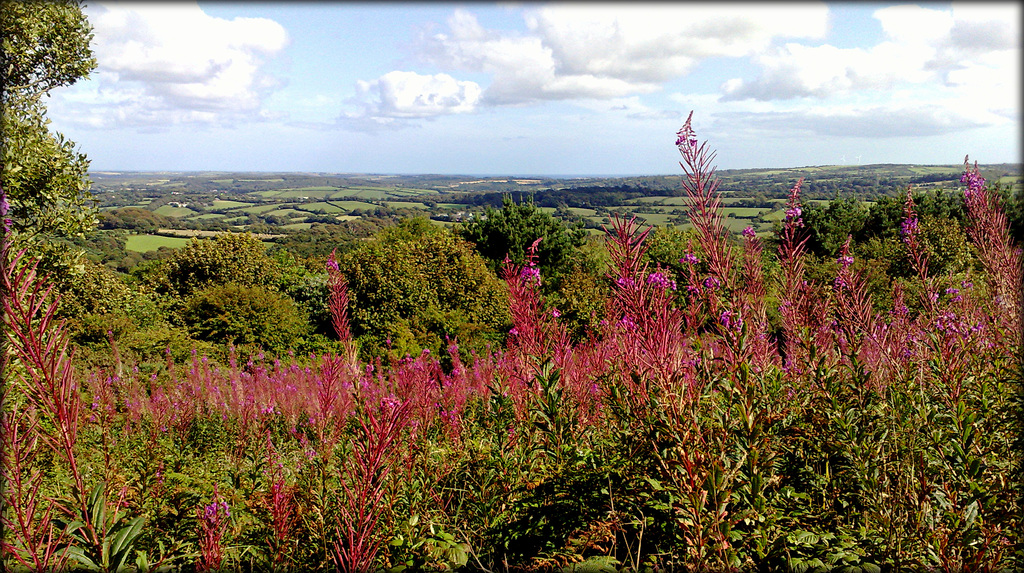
[[291, 213], [311, 192], [257, 209], [744, 212], [350, 205], [659, 219], [209, 216], [407, 205], [361, 193], [320, 207], [225, 204], [168, 211], [144, 243]]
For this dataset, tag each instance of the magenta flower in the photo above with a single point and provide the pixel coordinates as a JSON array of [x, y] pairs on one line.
[[845, 261], [749, 233], [689, 259], [712, 283], [530, 274], [659, 280], [975, 182], [908, 226], [730, 320]]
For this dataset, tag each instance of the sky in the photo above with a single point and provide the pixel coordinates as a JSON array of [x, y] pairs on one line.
[[573, 89]]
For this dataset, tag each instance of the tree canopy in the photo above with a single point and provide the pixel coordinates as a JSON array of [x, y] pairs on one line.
[[45, 45], [511, 231]]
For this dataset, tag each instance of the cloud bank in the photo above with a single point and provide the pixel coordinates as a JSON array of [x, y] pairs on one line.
[[162, 64]]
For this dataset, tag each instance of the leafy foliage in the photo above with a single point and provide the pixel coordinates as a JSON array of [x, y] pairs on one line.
[[510, 232], [244, 315], [415, 285], [45, 46], [238, 258]]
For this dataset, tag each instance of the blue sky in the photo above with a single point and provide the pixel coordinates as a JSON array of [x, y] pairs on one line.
[[542, 88]]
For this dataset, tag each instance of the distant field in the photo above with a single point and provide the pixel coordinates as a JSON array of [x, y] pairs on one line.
[[225, 204], [407, 205], [168, 211], [209, 216], [311, 192], [745, 212], [256, 209], [297, 226], [350, 205], [287, 213], [361, 193], [145, 243], [320, 207], [411, 191], [658, 219]]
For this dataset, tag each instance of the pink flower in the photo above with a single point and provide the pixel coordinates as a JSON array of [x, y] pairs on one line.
[[749, 233], [530, 274], [659, 280]]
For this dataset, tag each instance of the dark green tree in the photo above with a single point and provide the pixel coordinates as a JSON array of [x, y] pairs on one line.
[[238, 258], [515, 227], [45, 45], [828, 226], [415, 284], [244, 315]]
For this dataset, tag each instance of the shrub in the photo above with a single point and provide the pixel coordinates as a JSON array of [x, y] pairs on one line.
[[237, 258], [510, 231], [413, 285], [240, 314]]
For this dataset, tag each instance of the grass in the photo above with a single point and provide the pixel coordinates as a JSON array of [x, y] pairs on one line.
[[225, 204], [287, 212], [257, 209], [361, 193], [744, 212], [312, 192], [145, 243], [407, 205], [350, 205], [320, 207], [658, 219], [168, 211]]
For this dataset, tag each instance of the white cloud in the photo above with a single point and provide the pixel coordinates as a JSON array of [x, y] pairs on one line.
[[865, 122], [167, 63], [398, 96], [923, 46], [609, 51]]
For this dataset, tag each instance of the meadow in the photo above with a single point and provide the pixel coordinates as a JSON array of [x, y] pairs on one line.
[[730, 413]]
